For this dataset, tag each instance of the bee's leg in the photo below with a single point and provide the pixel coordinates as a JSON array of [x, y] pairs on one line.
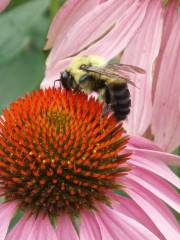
[[107, 101]]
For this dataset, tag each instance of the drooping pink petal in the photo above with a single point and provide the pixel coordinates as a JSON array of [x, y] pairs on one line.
[[129, 208], [157, 186], [142, 51], [166, 112], [7, 210], [43, 229], [146, 148], [154, 165], [89, 228], [24, 229], [141, 143], [115, 225], [69, 13], [4, 4], [32, 228], [155, 209], [65, 229]]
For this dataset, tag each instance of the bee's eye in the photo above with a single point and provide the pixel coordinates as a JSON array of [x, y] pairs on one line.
[[65, 75]]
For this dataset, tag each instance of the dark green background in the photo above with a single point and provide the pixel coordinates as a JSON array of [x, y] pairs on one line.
[[23, 28]]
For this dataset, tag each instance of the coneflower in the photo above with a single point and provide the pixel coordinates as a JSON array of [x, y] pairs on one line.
[[63, 166]]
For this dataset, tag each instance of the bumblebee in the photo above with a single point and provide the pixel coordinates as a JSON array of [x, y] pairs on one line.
[[93, 73]]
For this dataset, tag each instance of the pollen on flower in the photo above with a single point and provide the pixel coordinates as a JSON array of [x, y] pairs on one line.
[[57, 154]]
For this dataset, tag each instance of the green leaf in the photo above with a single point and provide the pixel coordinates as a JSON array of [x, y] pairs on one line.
[[55, 5], [20, 75], [16, 25], [15, 3]]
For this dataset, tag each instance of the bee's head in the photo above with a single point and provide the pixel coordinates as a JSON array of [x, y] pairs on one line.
[[67, 80]]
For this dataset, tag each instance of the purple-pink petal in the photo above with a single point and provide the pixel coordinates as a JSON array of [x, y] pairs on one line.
[[7, 210], [154, 165], [142, 51], [118, 38], [166, 112], [155, 209], [24, 229], [129, 208], [65, 229], [33, 228], [43, 229], [89, 228], [66, 17], [157, 186], [143, 147], [120, 226]]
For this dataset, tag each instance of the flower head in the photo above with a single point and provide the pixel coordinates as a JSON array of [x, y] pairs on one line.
[[61, 160], [57, 153]]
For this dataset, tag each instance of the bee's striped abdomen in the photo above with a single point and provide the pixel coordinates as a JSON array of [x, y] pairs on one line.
[[120, 100]]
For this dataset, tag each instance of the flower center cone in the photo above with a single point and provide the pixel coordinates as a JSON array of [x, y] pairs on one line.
[[57, 153]]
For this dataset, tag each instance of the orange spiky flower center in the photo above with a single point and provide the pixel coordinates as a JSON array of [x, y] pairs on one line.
[[57, 154]]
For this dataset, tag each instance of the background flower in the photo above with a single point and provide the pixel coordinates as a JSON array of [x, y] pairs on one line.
[[4, 4], [146, 31]]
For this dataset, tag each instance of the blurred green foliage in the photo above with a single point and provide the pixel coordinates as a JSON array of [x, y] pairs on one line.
[[23, 27]]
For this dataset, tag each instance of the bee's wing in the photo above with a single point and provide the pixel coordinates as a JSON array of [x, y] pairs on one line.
[[126, 68], [113, 71], [106, 71]]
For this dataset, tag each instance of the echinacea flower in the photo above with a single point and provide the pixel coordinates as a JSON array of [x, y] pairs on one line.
[[145, 34], [4, 4], [63, 164]]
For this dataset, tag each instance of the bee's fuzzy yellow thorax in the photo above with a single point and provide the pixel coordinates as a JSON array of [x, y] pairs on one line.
[[74, 67]]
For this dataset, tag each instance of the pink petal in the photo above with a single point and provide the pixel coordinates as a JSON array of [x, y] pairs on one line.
[[118, 226], [129, 208], [170, 18], [147, 148], [166, 112], [142, 143], [157, 186], [65, 229], [152, 163], [118, 38], [89, 228], [7, 210], [43, 229], [99, 21], [155, 209], [142, 51], [4, 4], [66, 17], [23, 229]]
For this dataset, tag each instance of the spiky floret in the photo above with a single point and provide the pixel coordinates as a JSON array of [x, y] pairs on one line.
[[57, 154]]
